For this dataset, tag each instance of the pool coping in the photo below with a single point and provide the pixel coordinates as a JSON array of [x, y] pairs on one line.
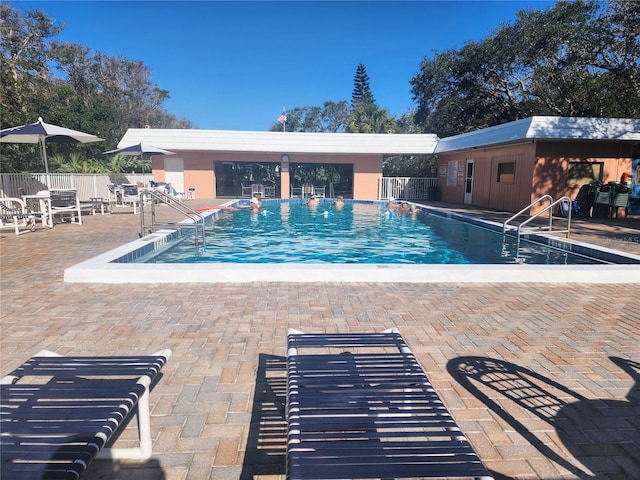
[[111, 266]]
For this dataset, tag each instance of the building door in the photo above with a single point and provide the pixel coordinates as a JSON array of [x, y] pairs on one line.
[[634, 197], [174, 173], [468, 182]]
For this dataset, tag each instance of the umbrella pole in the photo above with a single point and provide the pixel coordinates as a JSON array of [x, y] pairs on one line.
[[43, 152]]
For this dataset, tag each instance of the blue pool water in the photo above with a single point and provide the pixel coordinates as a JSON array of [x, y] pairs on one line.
[[359, 233]]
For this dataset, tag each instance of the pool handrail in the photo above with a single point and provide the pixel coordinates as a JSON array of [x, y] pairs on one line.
[[156, 196], [527, 208], [549, 209]]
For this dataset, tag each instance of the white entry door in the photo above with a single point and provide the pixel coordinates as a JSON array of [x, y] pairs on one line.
[[468, 182], [174, 173]]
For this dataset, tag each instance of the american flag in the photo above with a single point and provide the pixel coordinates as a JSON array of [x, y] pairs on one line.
[[282, 118]]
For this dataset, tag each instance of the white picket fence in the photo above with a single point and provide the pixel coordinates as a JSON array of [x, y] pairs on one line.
[[88, 185], [91, 185], [408, 188]]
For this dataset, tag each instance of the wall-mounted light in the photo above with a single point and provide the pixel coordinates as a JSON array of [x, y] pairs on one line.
[[285, 158]]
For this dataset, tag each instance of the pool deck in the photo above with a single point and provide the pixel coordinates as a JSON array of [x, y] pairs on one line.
[[571, 409]]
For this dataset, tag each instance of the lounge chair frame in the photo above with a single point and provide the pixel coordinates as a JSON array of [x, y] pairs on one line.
[[14, 214], [66, 202], [58, 413], [360, 406], [130, 196]]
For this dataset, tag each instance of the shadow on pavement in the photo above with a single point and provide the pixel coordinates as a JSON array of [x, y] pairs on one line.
[[602, 435]]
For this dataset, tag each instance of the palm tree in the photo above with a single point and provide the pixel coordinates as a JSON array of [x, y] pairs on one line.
[[371, 119]]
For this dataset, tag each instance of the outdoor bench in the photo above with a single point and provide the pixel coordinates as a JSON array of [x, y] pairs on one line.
[[58, 413], [360, 406]]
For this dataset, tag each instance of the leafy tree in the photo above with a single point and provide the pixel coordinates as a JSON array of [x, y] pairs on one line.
[[410, 166], [334, 116], [68, 84], [577, 58], [370, 118], [76, 163], [361, 94], [405, 124], [366, 116], [331, 117], [24, 49]]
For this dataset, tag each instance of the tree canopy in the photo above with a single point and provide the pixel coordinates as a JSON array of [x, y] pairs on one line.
[[579, 58], [69, 85], [362, 116], [361, 94], [331, 117]]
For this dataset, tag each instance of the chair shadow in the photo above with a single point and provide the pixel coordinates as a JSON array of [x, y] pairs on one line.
[[131, 470], [595, 432], [266, 449], [113, 469]]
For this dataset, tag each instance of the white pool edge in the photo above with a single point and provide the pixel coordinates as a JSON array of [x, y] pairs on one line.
[[103, 269], [91, 272]]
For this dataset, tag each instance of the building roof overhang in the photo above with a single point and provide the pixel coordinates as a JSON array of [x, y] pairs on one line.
[[281, 142], [544, 129], [532, 129]]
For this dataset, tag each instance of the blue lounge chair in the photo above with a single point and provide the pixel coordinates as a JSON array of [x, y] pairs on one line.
[[68, 408], [361, 406]]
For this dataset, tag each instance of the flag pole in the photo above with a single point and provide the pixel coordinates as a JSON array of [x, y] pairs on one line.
[[283, 119]]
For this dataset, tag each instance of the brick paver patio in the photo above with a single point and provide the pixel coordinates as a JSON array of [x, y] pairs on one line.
[[543, 379]]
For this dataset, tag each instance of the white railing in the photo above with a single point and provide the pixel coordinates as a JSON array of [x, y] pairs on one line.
[[91, 185], [88, 185], [408, 188]]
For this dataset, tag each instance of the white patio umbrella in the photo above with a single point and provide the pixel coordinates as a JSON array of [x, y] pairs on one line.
[[40, 132], [140, 149]]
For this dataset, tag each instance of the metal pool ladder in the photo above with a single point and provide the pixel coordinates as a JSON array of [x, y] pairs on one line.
[[549, 208], [152, 198]]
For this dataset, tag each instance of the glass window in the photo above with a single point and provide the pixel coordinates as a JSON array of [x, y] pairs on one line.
[[506, 172], [232, 177], [337, 179], [581, 173], [236, 179]]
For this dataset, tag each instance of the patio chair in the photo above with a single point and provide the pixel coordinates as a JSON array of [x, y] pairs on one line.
[[602, 202], [114, 195], [361, 406], [269, 191], [130, 196], [620, 200], [65, 202], [307, 190], [14, 214], [245, 190], [319, 191], [67, 409]]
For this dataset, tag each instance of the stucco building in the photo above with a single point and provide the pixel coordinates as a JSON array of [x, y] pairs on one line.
[[509, 166], [504, 167], [219, 163]]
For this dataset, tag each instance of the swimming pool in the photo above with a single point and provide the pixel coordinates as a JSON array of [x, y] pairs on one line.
[[358, 233], [119, 265]]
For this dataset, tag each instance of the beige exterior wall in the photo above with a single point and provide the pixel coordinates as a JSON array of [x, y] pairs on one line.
[[199, 169], [553, 161], [540, 169], [198, 172], [487, 191]]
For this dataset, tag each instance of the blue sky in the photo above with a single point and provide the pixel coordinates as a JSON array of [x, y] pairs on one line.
[[234, 65]]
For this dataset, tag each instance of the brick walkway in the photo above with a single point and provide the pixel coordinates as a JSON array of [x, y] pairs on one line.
[[544, 380]]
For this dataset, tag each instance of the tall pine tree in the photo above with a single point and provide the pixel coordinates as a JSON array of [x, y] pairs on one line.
[[361, 95]]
